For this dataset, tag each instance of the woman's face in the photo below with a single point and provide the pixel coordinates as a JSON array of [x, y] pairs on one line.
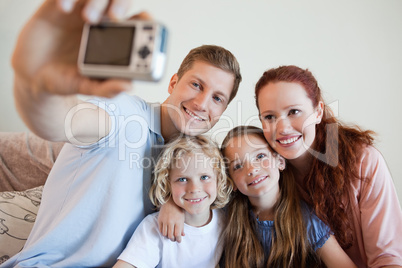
[[288, 118]]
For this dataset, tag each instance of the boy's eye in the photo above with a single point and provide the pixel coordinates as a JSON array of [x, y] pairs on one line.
[[182, 179], [204, 177]]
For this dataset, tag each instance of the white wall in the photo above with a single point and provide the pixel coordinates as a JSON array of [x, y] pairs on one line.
[[352, 47]]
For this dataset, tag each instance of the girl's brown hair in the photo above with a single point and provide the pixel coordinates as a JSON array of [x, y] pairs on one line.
[[290, 245], [338, 149]]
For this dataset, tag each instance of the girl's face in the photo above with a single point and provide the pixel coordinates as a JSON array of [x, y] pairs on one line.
[[194, 185], [252, 167], [288, 118]]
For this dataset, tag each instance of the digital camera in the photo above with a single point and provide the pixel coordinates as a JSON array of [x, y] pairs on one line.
[[133, 49]]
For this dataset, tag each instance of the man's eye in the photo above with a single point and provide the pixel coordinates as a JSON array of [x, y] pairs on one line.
[[218, 99], [197, 85], [204, 177]]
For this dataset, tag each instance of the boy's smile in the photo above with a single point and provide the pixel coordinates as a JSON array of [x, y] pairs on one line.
[[193, 185]]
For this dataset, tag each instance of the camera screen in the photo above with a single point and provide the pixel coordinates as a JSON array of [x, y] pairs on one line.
[[109, 45]]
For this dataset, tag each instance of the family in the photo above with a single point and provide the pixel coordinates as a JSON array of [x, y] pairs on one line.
[[302, 190]]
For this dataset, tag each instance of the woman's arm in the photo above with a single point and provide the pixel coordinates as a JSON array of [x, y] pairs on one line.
[[378, 211], [333, 255]]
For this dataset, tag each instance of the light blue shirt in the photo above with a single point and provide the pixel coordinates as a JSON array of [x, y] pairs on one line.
[[96, 195]]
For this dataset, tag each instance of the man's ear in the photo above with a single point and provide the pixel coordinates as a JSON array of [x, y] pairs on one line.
[[281, 163], [172, 83]]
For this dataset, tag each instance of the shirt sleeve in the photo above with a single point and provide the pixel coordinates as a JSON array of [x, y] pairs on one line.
[[318, 232], [127, 114], [381, 217], [144, 248]]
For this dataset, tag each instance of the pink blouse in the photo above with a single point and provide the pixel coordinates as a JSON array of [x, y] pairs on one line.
[[376, 215]]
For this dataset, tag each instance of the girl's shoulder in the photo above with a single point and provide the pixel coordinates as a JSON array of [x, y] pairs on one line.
[[318, 232]]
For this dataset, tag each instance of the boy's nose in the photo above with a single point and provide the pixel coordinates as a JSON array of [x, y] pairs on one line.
[[193, 187]]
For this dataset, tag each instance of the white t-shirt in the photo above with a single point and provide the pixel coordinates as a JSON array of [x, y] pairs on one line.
[[199, 246]]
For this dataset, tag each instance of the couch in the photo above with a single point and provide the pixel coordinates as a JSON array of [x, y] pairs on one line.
[[25, 162]]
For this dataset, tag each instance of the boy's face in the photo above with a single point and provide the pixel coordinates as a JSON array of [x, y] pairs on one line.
[[197, 100], [193, 185]]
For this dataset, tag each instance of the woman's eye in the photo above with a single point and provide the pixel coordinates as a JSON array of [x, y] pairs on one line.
[[294, 111], [269, 117], [204, 177], [182, 179]]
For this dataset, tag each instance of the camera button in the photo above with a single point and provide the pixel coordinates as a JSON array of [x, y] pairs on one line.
[[144, 52]]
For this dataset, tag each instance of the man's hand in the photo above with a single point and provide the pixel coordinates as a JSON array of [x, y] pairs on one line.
[[46, 72], [45, 57]]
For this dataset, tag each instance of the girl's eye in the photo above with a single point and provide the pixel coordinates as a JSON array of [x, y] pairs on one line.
[[236, 167], [261, 155], [204, 177], [182, 179]]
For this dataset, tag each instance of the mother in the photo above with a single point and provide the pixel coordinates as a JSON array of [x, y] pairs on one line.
[[337, 169]]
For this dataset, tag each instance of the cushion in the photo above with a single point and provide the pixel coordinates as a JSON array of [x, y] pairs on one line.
[[18, 212]]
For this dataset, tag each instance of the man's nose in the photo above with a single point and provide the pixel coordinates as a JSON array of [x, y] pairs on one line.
[[201, 101]]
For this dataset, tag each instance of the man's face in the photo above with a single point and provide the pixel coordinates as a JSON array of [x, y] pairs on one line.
[[197, 100]]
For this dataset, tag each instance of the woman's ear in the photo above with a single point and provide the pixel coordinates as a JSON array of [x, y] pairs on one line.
[[320, 112], [281, 162]]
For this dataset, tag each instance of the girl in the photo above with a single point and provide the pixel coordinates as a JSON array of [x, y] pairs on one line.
[[337, 170], [191, 171], [267, 226]]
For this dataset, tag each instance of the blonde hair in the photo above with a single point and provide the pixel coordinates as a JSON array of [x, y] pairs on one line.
[[183, 145], [290, 245]]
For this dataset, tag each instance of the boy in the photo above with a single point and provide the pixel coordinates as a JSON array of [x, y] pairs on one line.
[[95, 195]]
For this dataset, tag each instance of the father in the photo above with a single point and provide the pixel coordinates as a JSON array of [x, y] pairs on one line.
[[96, 193]]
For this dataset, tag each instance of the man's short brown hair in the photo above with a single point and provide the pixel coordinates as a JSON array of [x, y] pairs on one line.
[[216, 56]]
